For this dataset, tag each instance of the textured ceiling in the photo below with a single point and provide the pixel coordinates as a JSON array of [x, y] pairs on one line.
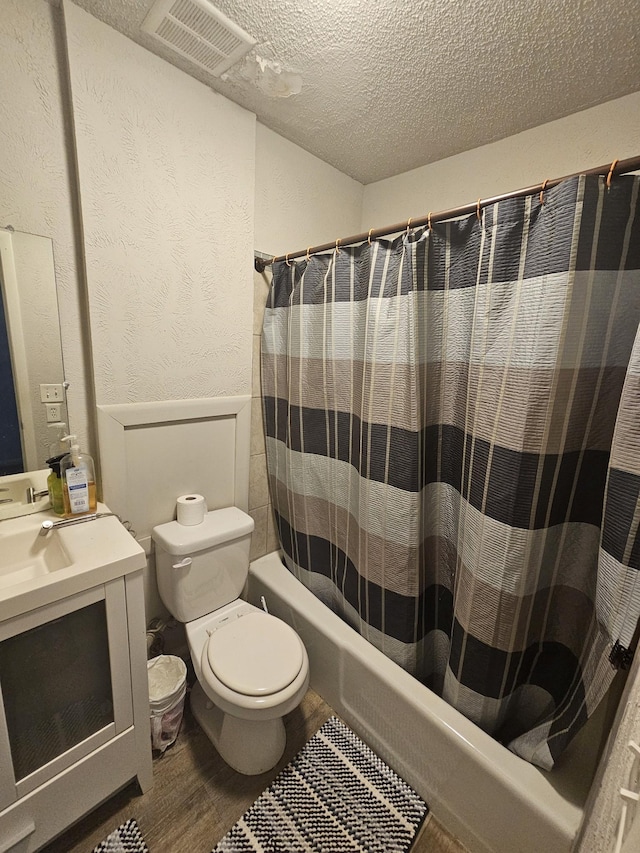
[[389, 86]]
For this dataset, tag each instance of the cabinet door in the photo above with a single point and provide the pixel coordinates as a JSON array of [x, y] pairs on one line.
[[62, 684]]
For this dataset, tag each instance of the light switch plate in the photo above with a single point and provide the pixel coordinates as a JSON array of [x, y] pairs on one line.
[[51, 393]]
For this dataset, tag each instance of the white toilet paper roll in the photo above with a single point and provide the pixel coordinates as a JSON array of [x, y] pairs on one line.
[[190, 509]]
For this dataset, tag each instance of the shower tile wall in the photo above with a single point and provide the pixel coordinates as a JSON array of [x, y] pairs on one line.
[[264, 539]]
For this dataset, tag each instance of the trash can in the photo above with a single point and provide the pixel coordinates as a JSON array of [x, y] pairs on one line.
[[167, 676]]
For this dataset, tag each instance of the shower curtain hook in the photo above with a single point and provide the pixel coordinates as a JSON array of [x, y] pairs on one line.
[[409, 225], [369, 237], [544, 184], [308, 255], [610, 175], [429, 220], [286, 259], [338, 245], [478, 210]]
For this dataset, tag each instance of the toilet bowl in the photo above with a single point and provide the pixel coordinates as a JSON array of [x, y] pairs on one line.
[[251, 668]]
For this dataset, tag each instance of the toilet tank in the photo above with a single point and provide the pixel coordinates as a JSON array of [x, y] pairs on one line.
[[202, 567]]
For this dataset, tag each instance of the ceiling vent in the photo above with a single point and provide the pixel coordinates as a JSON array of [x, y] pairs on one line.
[[198, 31]]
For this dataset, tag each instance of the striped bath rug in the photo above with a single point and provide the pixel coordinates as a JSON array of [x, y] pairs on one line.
[[127, 838], [335, 796]]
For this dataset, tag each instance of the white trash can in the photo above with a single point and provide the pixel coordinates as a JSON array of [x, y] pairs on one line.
[[167, 676]]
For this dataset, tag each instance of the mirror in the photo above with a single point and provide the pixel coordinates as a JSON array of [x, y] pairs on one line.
[[32, 393]]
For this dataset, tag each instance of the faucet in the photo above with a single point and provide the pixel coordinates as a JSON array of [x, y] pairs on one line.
[[33, 495], [67, 522]]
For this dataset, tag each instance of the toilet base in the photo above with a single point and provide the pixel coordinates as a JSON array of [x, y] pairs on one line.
[[249, 746]]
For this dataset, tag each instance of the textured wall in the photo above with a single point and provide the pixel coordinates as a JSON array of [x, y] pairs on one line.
[[300, 201], [166, 171], [35, 168], [580, 141]]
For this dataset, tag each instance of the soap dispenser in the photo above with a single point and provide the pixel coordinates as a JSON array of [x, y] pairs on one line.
[[54, 484], [78, 481]]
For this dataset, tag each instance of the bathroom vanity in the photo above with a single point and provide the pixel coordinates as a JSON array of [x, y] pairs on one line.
[[74, 710]]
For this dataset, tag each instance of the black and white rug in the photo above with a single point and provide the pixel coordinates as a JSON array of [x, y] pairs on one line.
[[335, 796], [127, 838]]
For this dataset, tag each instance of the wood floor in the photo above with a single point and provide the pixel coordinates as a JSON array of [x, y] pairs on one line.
[[196, 798]]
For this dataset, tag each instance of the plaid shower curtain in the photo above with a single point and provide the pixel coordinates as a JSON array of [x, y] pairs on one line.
[[453, 445]]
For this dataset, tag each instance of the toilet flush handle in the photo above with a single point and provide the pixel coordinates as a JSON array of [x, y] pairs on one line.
[[183, 564]]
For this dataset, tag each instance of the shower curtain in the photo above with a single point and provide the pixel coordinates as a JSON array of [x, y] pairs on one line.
[[452, 425]]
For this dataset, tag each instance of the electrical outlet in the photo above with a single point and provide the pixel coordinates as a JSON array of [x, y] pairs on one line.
[[51, 393], [54, 412]]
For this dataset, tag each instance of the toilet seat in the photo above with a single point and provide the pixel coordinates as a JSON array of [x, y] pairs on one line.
[[265, 706], [255, 655]]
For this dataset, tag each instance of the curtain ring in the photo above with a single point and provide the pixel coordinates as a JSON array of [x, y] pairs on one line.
[[478, 214], [610, 175], [308, 255], [542, 189], [286, 259], [369, 237], [338, 245]]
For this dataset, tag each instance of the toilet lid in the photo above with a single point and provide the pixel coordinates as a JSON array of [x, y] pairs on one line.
[[256, 654]]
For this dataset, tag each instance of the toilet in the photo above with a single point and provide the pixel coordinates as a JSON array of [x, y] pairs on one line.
[[251, 667]]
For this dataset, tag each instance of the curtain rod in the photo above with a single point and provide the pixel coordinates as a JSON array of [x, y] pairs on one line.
[[618, 167]]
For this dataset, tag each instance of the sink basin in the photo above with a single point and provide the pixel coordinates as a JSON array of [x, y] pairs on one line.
[[26, 555], [36, 570]]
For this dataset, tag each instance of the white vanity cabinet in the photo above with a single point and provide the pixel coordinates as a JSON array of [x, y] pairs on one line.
[[74, 711]]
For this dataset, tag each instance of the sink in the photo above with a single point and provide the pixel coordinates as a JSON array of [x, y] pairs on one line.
[[13, 493], [25, 555], [36, 569]]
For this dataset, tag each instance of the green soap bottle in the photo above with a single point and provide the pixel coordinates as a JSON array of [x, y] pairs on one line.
[[54, 484]]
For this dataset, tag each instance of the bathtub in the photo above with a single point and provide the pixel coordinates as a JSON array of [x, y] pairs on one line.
[[493, 801]]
